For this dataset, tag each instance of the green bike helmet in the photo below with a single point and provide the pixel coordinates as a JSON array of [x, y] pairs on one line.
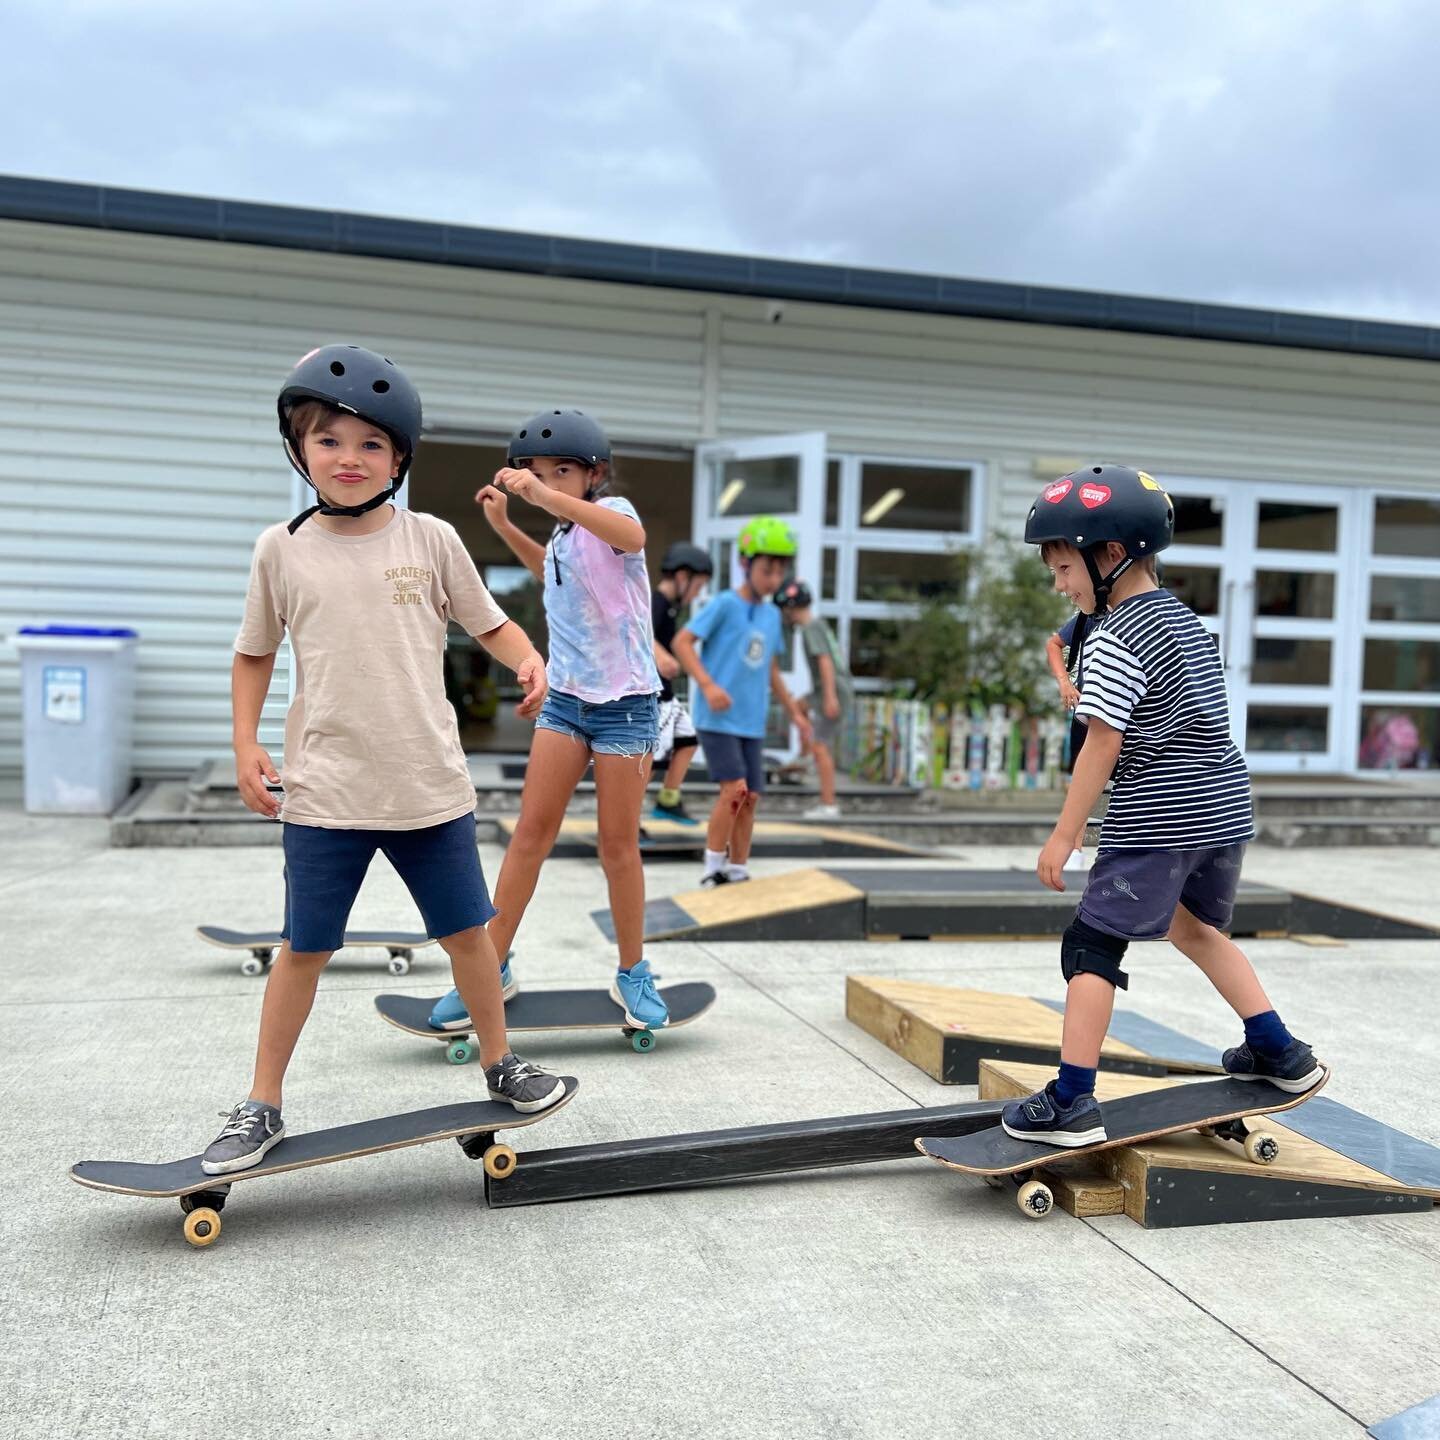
[[765, 535]]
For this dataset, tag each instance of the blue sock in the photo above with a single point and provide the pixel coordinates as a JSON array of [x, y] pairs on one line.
[[1265, 1034], [1074, 1081]]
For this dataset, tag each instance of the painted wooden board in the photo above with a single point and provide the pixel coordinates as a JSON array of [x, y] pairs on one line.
[[947, 1030]]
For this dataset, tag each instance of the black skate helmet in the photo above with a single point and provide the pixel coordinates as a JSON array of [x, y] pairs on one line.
[[794, 595], [358, 382], [682, 555], [1097, 504]]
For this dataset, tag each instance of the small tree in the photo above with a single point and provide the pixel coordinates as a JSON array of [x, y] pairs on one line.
[[988, 648]]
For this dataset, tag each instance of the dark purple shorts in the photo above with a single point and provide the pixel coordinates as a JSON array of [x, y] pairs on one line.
[[1133, 893]]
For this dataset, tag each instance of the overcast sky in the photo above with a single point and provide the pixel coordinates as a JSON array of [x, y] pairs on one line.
[[1274, 152]]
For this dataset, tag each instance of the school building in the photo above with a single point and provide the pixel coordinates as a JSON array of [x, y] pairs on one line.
[[893, 417]]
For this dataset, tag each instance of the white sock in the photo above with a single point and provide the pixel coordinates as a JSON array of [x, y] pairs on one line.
[[714, 861], [738, 872]]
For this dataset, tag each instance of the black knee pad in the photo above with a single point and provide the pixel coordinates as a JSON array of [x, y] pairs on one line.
[[1084, 950]]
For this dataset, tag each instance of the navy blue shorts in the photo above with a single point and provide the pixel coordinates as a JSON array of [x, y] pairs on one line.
[[439, 864], [735, 757], [1133, 893]]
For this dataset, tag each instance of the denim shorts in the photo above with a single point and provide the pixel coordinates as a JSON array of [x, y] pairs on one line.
[[1133, 893], [439, 864], [735, 757], [627, 726]]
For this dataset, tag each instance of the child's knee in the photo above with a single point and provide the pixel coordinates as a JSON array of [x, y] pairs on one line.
[[751, 799], [732, 795]]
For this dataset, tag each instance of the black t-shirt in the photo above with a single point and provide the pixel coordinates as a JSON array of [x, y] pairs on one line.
[[665, 615]]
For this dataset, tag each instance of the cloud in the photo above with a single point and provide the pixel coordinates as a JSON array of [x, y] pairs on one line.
[[1274, 155]]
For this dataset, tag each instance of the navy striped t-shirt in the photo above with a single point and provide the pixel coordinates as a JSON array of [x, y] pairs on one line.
[[1153, 672]]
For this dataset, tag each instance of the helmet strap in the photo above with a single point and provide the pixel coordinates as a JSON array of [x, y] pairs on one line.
[[1104, 584], [326, 508]]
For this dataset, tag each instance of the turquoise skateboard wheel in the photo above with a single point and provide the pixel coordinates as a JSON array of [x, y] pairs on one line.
[[459, 1052]]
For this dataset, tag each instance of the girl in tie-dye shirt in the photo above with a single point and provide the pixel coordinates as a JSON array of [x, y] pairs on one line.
[[604, 687]]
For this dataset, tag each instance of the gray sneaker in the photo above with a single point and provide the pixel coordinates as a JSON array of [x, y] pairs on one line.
[[525, 1086], [252, 1129]]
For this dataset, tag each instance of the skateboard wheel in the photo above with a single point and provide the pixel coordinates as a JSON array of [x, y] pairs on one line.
[[499, 1161], [202, 1226], [253, 966], [459, 1052], [1034, 1199], [1262, 1148], [642, 1040], [399, 965]]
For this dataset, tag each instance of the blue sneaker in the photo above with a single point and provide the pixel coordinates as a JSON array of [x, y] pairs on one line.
[[677, 812], [1293, 1070], [634, 991], [1041, 1117], [450, 1012]]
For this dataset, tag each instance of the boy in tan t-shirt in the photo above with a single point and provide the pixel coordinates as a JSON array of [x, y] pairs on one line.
[[372, 750]]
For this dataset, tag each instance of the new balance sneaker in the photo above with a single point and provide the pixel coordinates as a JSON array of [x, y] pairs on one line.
[[525, 1086], [450, 1012], [1042, 1118], [1293, 1070], [252, 1129], [634, 991], [676, 812], [714, 878]]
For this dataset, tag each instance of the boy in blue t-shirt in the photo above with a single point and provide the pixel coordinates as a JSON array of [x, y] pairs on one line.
[[743, 638]]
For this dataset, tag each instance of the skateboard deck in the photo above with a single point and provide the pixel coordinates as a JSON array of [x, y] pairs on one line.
[[549, 1010], [1213, 1107], [262, 945], [202, 1196]]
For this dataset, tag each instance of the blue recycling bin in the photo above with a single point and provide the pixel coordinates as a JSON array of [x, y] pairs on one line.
[[77, 686]]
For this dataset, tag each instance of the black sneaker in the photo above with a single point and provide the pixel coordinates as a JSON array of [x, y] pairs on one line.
[[714, 878], [1042, 1118], [525, 1086], [1293, 1070], [252, 1129]]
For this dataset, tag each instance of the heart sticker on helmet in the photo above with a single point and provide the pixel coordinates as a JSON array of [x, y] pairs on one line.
[[1093, 495], [1058, 491]]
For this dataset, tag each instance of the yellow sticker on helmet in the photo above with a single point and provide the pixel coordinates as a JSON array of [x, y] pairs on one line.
[[1147, 482]]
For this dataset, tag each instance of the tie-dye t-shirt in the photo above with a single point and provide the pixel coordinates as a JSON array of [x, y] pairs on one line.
[[597, 606]]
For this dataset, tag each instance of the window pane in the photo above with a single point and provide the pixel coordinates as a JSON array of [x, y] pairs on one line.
[[1279, 661], [872, 644], [1197, 585], [755, 487], [905, 575], [1286, 729], [1198, 521], [832, 492], [1295, 592], [1399, 737], [1402, 664], [1404, 597], [1407, 525], [914, 497], [1297, 527], [829, 569]]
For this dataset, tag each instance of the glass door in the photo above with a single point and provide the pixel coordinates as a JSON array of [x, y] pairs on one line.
[[780, 475], [1266, 570]]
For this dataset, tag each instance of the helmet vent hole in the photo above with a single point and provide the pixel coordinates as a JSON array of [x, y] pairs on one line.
[[1097, 468], [380, 386], [336, 368], [524, 433], [546, 434]]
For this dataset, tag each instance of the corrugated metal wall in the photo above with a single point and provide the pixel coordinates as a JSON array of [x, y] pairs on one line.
[[138, 456]]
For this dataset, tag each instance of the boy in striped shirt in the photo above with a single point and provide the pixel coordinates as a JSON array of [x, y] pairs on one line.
[[1180, 813]]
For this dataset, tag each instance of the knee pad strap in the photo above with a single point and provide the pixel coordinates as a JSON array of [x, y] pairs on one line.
[[1084, 950]]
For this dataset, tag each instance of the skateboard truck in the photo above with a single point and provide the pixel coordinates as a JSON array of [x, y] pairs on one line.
[[498, 1160]]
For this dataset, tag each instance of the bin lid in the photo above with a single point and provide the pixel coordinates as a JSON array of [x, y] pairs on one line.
[[80, 632]]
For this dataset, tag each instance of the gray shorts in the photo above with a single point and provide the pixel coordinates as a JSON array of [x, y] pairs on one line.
[[826, 731], [1133, 893]]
